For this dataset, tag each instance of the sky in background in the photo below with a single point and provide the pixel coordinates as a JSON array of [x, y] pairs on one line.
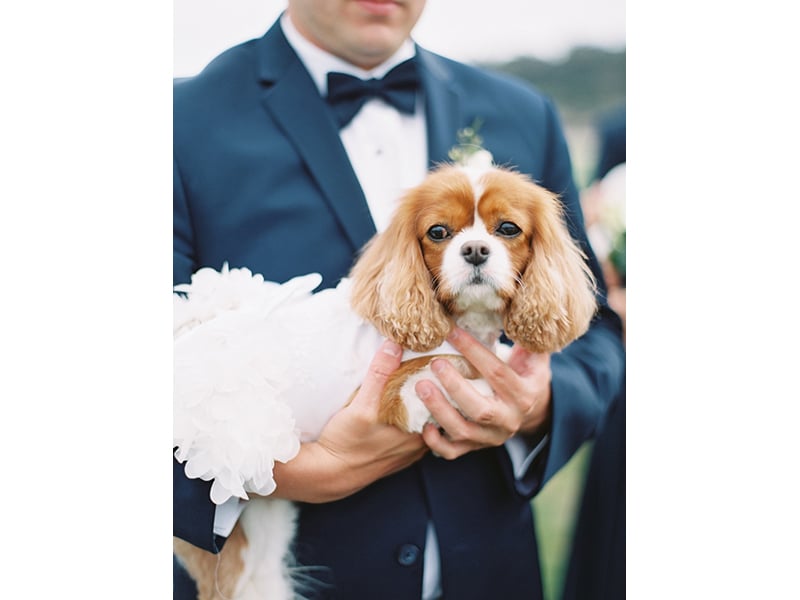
[[467, 30]]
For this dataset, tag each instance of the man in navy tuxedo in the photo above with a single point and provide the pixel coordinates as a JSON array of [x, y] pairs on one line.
[[272, 173]]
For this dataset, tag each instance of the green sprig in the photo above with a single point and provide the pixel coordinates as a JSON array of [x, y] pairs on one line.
[[469, 142]]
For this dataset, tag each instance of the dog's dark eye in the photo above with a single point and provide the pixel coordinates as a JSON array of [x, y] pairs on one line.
[[438, 233], [508, 229]]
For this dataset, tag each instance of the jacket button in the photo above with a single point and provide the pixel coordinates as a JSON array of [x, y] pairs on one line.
[[408, 554]]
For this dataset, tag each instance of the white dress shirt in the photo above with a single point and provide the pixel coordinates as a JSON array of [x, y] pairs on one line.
[[389, 154], [387, 149]]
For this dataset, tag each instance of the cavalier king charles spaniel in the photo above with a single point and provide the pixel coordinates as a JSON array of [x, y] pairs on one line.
[[481, 247]]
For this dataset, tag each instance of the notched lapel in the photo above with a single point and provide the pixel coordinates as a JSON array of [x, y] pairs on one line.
[[443, 107], [293, 100], [310, 127]]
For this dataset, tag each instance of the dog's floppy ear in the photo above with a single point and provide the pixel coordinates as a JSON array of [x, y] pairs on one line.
[[393, 289], [555, 300]]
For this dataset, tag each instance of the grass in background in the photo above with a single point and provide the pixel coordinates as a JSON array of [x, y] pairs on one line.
[[556, 509]]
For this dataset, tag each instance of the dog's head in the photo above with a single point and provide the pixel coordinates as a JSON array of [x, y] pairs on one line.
[[471, 246]]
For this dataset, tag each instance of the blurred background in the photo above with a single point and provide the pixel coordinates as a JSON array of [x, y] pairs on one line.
[[573, 51]]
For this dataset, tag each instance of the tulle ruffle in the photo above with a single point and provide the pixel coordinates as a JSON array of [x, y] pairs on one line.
[[230, 425]]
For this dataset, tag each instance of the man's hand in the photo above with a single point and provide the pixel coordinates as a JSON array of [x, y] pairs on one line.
[[353, 449], [521, 402]]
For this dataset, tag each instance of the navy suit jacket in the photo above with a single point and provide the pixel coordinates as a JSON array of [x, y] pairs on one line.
[[262, 180]]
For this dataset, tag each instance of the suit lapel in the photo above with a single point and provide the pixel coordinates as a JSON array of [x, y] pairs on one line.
[[292, 98], [442, 105]]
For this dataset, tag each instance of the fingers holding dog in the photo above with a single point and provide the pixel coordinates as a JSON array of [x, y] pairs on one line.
[[481, 425], [452, 435], [522, 383], [384, 363], [511, 398], [500, 377], [478, 406], [441, 446], [535, 401]]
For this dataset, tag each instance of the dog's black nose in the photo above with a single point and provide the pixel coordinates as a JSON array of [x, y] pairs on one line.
[[475, 253]]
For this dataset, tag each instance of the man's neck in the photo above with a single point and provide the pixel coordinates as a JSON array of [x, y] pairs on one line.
[[320, 62]]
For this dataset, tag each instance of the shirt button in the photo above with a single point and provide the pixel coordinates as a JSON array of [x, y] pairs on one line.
[[407, 555]]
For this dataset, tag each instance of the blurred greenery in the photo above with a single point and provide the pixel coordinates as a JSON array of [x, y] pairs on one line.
[[585, 85], [555, 509], [617, 256], [587, 82]]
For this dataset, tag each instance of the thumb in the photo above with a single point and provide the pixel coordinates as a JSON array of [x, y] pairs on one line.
[[384, 363]]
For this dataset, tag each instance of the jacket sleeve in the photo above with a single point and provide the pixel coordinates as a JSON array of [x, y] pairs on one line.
[[184, 262], [192, 509], [588, 373]]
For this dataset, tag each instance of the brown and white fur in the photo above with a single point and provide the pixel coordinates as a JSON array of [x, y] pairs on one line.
[[485, 249]]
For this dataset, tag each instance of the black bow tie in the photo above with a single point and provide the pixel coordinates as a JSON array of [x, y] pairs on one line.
[[347, 94]]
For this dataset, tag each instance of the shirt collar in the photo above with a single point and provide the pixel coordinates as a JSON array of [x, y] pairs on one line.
[[319, 63]]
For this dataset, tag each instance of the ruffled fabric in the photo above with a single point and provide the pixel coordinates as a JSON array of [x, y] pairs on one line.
[[231, 419]]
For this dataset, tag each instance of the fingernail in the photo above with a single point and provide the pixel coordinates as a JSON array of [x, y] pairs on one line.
[[423, 391], [438, 366], [390, 348], [453, 335]]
